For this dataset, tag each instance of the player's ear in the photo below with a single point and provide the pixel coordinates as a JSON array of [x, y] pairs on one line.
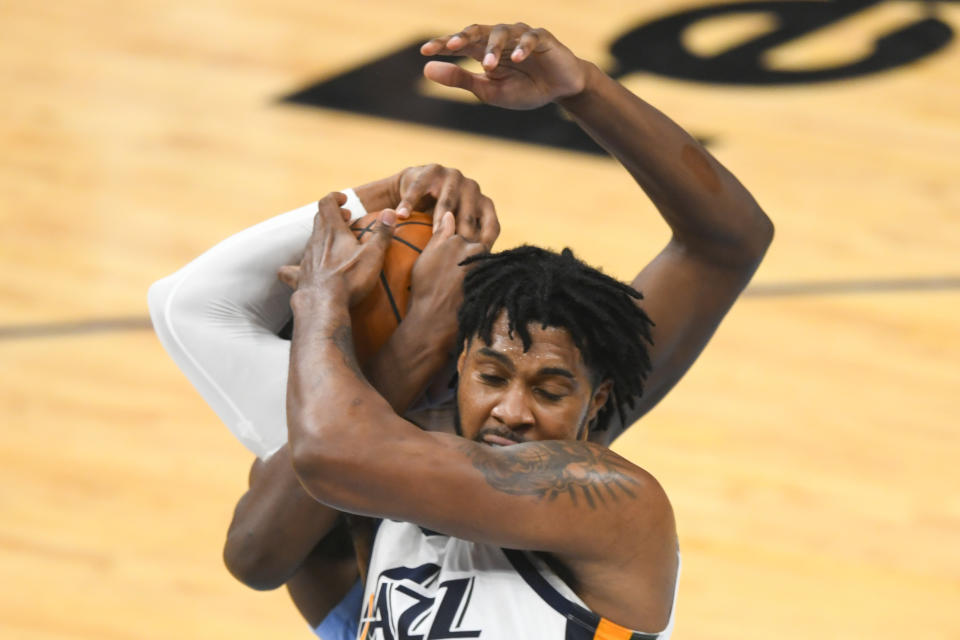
[[463, 356], [600, 396]]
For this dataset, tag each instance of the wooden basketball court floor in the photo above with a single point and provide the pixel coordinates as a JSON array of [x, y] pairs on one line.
[[811, 453]]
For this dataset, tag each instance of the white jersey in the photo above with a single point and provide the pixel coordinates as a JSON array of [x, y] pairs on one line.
[[427, 585]]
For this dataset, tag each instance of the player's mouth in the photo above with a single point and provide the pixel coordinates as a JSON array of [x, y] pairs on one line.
[[498, 437], [497, 441]]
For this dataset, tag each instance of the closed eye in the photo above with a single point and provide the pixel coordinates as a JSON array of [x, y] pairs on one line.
[[546, 395], [492, 380]]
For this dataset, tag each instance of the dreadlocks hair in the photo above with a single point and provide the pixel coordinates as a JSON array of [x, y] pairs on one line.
[[559, 290]]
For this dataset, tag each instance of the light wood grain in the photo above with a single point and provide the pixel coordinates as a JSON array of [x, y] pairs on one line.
[[810, 454]]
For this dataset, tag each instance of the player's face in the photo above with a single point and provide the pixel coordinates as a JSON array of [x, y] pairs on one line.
[[506, 395]]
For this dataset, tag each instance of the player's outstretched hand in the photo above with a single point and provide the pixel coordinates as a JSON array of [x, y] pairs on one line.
[[446, 189], [334, 252], [523, 68]]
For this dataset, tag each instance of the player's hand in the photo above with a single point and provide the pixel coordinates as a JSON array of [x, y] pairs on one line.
[[436, 283], [523, 68], [333, 252], [444, 189], [289, 274]]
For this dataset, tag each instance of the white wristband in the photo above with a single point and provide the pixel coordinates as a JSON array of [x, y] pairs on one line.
[[353, 205]]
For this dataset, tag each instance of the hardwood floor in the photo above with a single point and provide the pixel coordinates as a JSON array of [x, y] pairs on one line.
[[811, 454]]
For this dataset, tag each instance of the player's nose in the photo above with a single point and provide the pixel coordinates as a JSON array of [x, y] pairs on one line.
[[513, 409]]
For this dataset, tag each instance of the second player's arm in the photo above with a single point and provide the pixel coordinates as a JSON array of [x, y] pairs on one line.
[[719, 232], [276, 524]]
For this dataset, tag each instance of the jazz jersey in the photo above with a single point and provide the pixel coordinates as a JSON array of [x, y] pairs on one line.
[[428, 586]]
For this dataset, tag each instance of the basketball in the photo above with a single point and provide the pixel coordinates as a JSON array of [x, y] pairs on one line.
[[377, 315]]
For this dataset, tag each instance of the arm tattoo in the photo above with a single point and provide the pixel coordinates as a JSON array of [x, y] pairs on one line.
[[551, 468]]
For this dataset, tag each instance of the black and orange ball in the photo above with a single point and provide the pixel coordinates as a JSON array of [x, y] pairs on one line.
[[377, 315]]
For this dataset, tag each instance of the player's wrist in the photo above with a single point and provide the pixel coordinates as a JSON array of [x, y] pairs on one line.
[[354, 204], [441, 321], [591, 76], [379, 194], [394, 186], [416, 344], [323, 290]]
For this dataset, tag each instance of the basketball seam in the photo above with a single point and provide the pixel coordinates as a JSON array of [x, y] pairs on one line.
[[386, 288], [409, 244], [369, 226], [364, 229], [412, 246]]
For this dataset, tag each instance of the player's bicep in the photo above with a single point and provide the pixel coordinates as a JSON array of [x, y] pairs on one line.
[[563, 497]]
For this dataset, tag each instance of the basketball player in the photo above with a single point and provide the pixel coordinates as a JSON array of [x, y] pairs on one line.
[[219, 317], [719, 237], [549, 349], [279, 534]]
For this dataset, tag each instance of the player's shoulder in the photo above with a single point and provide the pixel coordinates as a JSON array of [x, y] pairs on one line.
[[610, 479], [653, 503], [641, 503]]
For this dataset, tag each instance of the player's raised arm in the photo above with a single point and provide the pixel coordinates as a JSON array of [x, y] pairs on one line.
[[720, 234]]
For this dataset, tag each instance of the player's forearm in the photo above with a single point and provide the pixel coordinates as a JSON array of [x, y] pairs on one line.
[[275, 525], [409, 360], [705, 205], [334, 416]]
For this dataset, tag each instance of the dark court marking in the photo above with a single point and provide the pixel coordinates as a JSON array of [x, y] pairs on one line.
[[77, 327], [761, 290], [389, 87], [658, 46], [834, 287]]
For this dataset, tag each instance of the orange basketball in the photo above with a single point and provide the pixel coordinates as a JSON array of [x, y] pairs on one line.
[[377, 315]]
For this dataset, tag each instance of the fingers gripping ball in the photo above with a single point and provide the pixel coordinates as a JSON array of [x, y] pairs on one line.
[[377, 315]]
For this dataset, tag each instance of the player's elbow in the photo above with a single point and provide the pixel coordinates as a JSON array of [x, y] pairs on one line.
[[313, 462], [331, 470], [252, 563], [331, 460], [761, 235], [157, 296], [739, 243], [743, 246], [165, 299], [752, 237], [174, 313]]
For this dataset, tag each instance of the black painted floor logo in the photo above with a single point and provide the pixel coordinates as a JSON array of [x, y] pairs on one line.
[[388, 87], [657, 47]]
